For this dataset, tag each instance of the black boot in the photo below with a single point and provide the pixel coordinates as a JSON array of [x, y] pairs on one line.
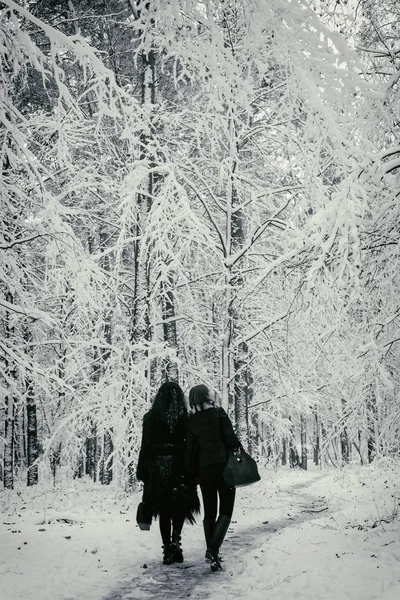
[[208, 526], [175, 548], [218, 536], [167, 554]]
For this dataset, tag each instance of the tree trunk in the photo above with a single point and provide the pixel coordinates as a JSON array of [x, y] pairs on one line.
[[357, 446], [20, 438], [148, 98], [9, 428], [98, 458], [107, 463], [170, 367], [55, 460], [344, 446], [372, 425], [107, 444], [91, 454], [9, 444], [344, 438], [316, 439], [303, 440], [242, 375], [293, 454], [98, 445], [226, 358], [235, 354], [80, 465], [140, 326], [284, 451], [32, 441], [242, 393]]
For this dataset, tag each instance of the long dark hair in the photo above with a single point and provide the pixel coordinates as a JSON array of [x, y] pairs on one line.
[[169, 406]]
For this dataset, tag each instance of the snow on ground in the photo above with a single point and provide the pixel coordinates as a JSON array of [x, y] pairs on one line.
[[315, 535]]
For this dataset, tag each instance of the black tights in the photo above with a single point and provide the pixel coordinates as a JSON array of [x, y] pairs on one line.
[[213, 486], [166, 520]]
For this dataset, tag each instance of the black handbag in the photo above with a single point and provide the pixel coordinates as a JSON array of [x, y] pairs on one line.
[[241, 469], [143, 518]]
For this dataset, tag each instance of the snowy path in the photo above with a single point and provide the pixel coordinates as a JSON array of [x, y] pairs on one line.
[[294, 536], [194, 579]]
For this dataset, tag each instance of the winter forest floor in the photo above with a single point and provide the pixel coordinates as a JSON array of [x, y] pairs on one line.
[[315, 535]]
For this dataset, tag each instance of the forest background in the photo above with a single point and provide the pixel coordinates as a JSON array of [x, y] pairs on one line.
[[204, 191]]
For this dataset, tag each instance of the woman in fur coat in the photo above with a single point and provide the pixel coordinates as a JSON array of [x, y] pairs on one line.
[[168, 493]]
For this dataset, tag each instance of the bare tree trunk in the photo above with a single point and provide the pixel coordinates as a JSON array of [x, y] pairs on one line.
[[106, 442], [235, 354], [140, 328], [91, 443], [55, 460], [344, 439], [80, 465], [358, 447], [9, 444], [32, 434], [32, 443], [316, 438], [10, 414], [323, 443], [170, 367], [242, 393], [293, 455], [242, 375], [284, 451], [344, 446], [226, 358], [372, 425], [141, 307], [98, 458], [20, 437], [107, 465], [141, 321], [303, 440]]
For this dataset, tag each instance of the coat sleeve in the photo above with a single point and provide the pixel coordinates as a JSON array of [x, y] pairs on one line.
[[191, 454], [142, 470], [231, 439]]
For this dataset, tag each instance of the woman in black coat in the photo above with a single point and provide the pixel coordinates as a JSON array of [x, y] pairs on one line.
[[210, 436], [168, 492]]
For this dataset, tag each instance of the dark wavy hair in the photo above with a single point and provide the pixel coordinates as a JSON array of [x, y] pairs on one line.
[[169, 406]]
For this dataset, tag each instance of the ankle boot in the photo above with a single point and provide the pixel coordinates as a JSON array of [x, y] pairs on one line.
[[167, 554], [218, 536], [176, 548], [208, 526]]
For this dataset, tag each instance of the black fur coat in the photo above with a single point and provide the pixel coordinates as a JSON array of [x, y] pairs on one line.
[[161, 467]]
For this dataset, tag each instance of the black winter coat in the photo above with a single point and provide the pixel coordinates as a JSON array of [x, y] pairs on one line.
[[161, 467], [209, 438]]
